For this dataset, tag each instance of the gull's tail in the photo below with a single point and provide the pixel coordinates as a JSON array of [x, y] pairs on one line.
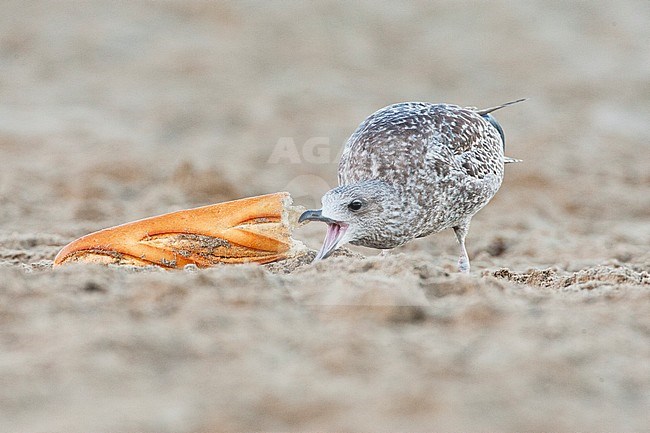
[[485, 111], [508, 160]]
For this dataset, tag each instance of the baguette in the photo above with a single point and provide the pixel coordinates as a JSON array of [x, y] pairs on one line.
[[256, 229]]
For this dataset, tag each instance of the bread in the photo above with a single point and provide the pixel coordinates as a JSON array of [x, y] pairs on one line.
[[255, 229]]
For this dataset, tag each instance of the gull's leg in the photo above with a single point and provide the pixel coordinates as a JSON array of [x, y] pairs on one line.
[[463, 261]]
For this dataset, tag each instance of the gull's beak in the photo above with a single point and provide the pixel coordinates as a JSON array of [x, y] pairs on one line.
[[335, 232], [314, 215]]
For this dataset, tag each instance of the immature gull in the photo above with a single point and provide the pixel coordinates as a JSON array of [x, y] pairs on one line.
[[410, 170]]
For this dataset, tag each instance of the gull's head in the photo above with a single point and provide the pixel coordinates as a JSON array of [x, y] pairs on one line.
[[356, 213]]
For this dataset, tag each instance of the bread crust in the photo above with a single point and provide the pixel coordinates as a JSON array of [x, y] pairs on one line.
[[255, 229]]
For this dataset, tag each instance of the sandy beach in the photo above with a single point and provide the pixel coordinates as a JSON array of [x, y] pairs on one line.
[[112, 112]]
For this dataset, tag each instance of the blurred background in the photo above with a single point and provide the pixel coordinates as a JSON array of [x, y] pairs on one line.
[[114, 111]]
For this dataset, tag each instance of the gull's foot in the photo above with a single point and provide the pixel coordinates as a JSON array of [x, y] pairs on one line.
[[384, 254]]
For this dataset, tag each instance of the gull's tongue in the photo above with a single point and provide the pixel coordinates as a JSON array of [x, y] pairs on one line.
[[334, 235]]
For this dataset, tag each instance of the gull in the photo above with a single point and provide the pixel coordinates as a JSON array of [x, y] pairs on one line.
[[410, 170]]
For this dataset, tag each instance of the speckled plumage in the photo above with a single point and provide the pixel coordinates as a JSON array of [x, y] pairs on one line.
[[416, 168]]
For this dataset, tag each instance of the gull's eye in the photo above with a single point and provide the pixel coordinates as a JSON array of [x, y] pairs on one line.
[[355, 205]]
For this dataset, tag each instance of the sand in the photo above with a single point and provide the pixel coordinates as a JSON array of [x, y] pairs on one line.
[[113, 112]]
